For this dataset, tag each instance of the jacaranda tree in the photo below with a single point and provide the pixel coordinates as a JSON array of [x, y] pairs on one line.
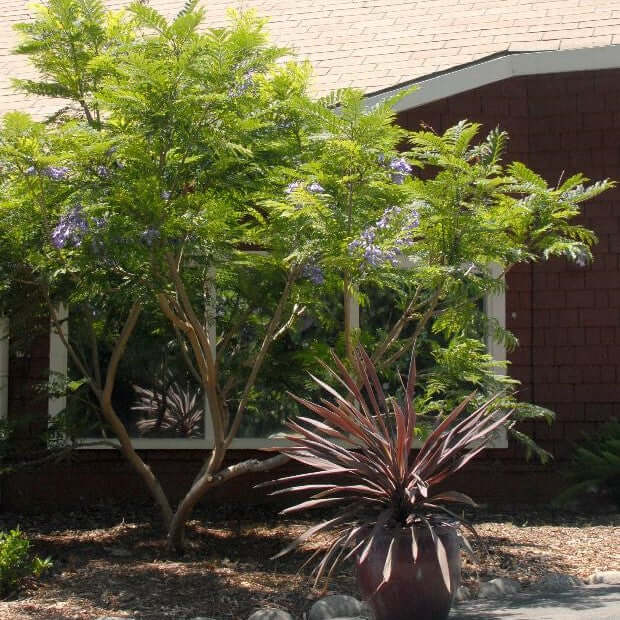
[[188, 182]]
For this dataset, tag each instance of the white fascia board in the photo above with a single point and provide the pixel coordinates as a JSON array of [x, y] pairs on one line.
[[513, 64]]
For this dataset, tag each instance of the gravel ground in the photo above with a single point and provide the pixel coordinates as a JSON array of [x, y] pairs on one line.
[[113, 562]]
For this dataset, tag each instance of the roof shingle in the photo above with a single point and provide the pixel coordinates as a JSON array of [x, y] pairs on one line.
[[376, 44]]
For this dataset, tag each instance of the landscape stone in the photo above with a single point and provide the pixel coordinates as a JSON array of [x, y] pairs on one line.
[[269, 613], [119, 552], [498, 588], [556, 582], [335, 606], [113, 618], [609, 577], [462, 594]]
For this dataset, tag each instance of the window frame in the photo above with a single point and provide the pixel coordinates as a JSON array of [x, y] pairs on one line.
[[494, 305]]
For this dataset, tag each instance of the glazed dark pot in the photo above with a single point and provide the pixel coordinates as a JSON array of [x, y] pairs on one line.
[[415, 591]]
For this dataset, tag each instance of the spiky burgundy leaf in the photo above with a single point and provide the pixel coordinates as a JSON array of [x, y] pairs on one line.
[[361, 445]]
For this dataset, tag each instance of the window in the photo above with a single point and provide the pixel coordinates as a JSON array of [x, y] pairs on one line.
[[200, 435]]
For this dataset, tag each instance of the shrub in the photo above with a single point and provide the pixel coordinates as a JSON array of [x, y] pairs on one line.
[[15, 561], [596, 466]]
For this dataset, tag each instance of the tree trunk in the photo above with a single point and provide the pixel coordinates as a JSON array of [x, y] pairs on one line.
[[176, 532]]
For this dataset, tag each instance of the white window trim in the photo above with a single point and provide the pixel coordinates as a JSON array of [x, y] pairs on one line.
[[495, 307]]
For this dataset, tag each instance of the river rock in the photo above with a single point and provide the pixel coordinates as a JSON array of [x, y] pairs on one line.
[[462, 594], [268, 613], [609, 577], [335, 606], [498, 588], [556, 582]]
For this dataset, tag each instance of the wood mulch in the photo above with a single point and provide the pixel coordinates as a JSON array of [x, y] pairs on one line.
[[109, 561]]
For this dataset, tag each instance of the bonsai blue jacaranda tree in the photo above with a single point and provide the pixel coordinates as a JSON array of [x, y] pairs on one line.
[[188, 179]]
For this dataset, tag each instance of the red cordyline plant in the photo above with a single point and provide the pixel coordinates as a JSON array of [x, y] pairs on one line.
[[170, 408], [361, 451]]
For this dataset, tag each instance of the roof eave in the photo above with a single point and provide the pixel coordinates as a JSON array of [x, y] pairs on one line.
[[495, 68]]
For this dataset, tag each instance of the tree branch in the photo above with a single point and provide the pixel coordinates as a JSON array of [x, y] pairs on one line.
[[260, 358]]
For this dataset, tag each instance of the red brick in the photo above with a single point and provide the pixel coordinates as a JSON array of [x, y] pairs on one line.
[[610, 138], [601, 299], [597, 412], [521, 373], [566, 318], [520, 356], [608, 335], [525, 300], [571, 280], [594, 318], [543, 356], [549, 299], [518, 281], [597, 393], [579, 299], [606, 82], [524, 336], [574, 335], [592, 103], [548, 431], [590, 354], [553, 393], [546, 375], [571, 411], [593, 335], [583, 84], [569, 374]]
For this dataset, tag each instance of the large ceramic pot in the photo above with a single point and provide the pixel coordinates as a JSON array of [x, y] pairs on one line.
[[415, 591]]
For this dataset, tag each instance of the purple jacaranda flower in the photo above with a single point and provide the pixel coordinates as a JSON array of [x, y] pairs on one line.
[[373, 255], [399, 164], [56, 173], [30, 171], [354, 245], [315, 188], [103, 172], [291, 187], [314, 273], [368, 235], [149, 236], [400, 170], [247, 81], [70, 229], [384, 221], [166, 195]]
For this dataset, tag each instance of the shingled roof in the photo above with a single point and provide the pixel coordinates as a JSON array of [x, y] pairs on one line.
[[378, 44]]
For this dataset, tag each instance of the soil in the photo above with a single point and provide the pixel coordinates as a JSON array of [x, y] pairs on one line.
[[113, 562]]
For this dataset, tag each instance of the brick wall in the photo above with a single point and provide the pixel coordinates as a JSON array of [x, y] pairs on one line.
[[567, 318]]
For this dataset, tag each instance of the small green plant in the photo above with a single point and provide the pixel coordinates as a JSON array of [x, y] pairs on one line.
[[15, 561], [595, 468]]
